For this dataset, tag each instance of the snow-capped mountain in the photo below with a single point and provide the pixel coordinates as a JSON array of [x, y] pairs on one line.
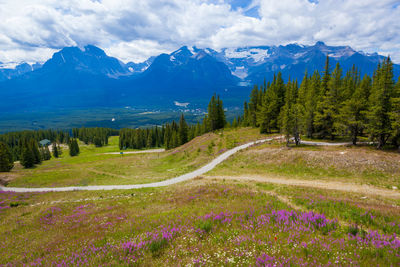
[[11, 70], [254, 64], [87, 77]]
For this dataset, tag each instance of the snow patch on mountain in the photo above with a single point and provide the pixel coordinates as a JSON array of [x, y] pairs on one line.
[[256, 54]]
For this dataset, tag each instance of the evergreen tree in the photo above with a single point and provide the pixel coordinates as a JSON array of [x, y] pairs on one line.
[[221, 120], [379, 123], [97, 141], [47, 154], [27, 157], [253, 106], [291, 114], [326, 77], [149, 142], [183, 130], [310, 104], [215, 118], [352, 116], [245, 121], [6, 158], [272, 104], [55, 151], [35, 151], [329, 104], [73, 147], [395, 116]]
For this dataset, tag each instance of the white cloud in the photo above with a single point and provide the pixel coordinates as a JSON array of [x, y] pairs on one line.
[[135, 29]]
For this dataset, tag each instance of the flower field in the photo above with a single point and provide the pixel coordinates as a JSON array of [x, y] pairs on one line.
[[200, 223]]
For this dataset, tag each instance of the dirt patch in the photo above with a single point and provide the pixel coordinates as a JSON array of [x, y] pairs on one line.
[[330, 185], [6, 178]]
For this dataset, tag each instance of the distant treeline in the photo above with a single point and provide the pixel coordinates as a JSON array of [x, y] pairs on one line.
[[171, 135], [16, 140], [329, 105], [97, 136]]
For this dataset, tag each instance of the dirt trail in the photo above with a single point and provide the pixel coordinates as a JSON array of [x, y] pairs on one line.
[[331, 185]]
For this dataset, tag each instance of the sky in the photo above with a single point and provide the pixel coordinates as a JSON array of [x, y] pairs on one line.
[[133, 30]]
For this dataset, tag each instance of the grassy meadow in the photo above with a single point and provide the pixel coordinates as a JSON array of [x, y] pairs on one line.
[[93, 167], [205, 221], [199, 223], [348, 164]]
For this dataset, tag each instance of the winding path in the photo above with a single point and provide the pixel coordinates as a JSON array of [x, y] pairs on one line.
[[171, 181]]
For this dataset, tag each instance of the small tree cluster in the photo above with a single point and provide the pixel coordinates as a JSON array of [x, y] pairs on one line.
[[30, 154], [73, 147], [97, 136]]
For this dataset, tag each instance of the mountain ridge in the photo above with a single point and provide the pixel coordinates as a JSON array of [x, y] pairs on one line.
[[88, 77]]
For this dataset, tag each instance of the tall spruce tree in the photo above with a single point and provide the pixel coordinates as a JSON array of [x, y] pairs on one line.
[[288, 127], [33, 144], [183, 130], [253, 106], [395, 116], [6, 158], [56, 153], [73, 147], [379, 123], [27, 158], [352, 116], [310, 105], [329, 104]]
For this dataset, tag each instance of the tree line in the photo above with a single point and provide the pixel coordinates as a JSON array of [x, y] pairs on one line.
[[97, 136], [329, 105], [174, 134], [16, 140]]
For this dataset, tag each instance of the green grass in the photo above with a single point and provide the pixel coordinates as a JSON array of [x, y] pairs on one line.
[[346, 164], [93, 167]]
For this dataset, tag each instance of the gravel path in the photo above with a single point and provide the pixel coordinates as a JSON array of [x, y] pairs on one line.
[[171, 181]]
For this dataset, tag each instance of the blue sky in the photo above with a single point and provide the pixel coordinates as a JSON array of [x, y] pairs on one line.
[[133, 30]]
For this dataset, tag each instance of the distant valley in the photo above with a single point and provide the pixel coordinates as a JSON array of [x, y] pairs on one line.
[[87, 79]]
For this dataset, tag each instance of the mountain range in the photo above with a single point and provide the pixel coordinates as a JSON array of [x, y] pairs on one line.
[[88, 77]]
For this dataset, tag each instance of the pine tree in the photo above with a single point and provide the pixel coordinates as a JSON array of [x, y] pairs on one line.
[[329, 105], [149, 142], [73, 147], [326, 77], [221, 120], [272, 104], [395, 116], [35, 150], [310, 104], [352, 116], [379, 123], [253, 106], [47, 153], [55, 150], [27, 157], [183, 130], [291, 114], [6, 158]]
